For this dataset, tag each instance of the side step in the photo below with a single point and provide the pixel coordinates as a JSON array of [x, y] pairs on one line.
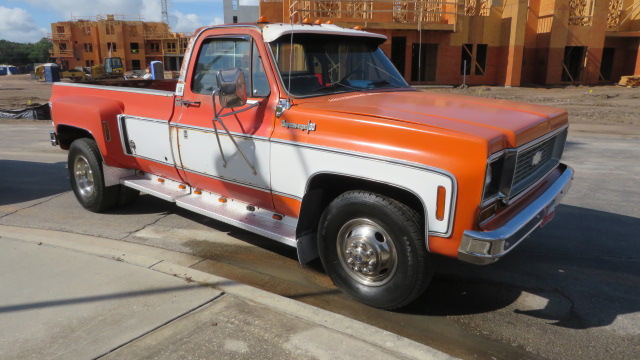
[[215, 206]]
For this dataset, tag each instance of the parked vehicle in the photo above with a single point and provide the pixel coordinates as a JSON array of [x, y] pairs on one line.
[[307, 135]]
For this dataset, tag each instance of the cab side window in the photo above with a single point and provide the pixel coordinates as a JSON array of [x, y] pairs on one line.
[[221, 54]]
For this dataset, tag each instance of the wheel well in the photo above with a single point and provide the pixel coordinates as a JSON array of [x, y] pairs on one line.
[[67, 134], [323, 188]]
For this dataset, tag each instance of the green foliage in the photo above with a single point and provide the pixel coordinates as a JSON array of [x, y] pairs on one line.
[[18, 54]]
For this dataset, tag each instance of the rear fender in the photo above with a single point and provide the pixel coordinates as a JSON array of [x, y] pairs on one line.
[[89, 116]]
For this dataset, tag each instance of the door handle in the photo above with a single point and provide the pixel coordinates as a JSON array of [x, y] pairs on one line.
[[186, 103]]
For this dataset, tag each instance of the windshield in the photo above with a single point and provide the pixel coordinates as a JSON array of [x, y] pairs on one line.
[[319, 65]]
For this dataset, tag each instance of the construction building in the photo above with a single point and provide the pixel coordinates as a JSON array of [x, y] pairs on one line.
[[86, 42], [490, 42]]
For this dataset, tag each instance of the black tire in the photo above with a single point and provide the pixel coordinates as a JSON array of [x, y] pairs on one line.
[[358, 227], [87, 179]]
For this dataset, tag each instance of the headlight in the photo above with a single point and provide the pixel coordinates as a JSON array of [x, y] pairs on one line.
[[492, 179]]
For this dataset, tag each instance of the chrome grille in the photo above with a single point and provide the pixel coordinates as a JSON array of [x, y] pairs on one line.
[[535, 161], [524, 164]]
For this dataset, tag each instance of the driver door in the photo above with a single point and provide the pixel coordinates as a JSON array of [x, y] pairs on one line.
[[207, 156]]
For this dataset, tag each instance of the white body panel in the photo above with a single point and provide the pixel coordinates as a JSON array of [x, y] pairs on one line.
[[292, 166], [199, 152], [151, 138]]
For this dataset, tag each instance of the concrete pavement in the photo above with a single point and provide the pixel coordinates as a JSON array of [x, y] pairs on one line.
[[71, 296]]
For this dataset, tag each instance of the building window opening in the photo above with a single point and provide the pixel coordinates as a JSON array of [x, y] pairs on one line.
[[62, 47], [111, 46], [235, 19], [89, 63], [60, 29], [398, 52], [153, 47], [88, 47], [234, 5], [606, 65], [171, 47], [424, 61], [474, 59], [572, 63], [110, 29], [135, 48], [465, 61], [135, 64]]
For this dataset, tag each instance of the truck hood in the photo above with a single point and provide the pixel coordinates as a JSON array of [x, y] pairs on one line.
[[495, 120]]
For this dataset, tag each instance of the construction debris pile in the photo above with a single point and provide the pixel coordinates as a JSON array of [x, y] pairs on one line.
[[630, 81]]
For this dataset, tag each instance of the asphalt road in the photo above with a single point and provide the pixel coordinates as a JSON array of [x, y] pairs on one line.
[[571, 291]]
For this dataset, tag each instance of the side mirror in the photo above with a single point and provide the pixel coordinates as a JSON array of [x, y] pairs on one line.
[[233, 89]]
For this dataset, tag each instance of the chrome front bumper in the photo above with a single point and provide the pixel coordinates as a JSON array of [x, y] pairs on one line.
[[486, 247]]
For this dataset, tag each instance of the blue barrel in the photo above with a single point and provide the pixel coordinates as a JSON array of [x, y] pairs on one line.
[[51, 72]]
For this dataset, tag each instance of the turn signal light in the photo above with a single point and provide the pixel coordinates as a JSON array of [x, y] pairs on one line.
[[358, 27], [106, 130], [197, 192], [329, 22], [306, 21], [277, 217], [262, 20], [442, 193], [181, 187], [160, 180], [222, 200], [317, 22]]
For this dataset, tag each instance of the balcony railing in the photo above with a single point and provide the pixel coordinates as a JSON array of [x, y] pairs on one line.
[[398, 14], [618, 16], [58, 36], [60, 53]]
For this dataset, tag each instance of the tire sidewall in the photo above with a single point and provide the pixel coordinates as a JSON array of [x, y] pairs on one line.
[[406, 275], [87, 149]]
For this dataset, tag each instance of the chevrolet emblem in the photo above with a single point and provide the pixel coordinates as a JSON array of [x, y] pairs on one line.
[[537, 157]]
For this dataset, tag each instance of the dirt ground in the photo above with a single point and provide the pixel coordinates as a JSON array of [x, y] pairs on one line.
[[603, 110]]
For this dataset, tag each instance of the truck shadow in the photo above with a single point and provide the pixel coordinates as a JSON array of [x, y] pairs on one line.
[[22, 181], [580, 271]]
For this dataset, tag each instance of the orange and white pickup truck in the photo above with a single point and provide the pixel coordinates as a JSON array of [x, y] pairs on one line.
[[307, 135]]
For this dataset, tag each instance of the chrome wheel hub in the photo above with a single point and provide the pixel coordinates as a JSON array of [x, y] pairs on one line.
[[84, 176], [366, 252]]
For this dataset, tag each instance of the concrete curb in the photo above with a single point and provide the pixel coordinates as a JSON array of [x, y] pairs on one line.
[[178, 264]]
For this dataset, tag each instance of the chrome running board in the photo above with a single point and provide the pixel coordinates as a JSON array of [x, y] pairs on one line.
[[230, 211]]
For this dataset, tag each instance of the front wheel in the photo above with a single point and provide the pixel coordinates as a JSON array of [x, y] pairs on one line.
[[86, 177], [373, 248]]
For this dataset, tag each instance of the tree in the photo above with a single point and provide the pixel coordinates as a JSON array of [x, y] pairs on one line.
[[12, 53]]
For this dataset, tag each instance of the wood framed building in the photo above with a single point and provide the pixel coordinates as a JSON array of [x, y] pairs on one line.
[[501, 42], [86, 42]]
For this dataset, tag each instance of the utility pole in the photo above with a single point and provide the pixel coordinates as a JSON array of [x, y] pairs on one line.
[[165, 13]]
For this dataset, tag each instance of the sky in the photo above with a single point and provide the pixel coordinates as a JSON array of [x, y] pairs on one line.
[[30, 20]]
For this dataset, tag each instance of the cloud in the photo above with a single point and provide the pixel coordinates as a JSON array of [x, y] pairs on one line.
[[217, 21], [18, 25], [185, 23]]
